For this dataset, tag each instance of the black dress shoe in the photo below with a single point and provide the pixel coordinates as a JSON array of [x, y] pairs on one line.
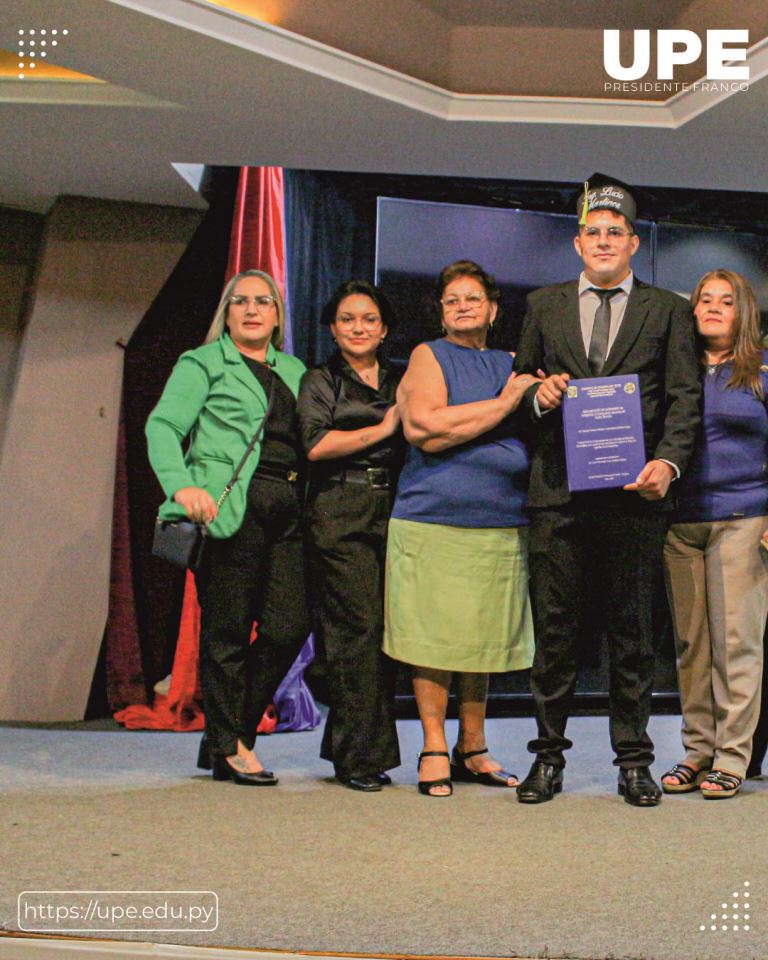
[[384, 778], [544, 780], [369, 784], [638, 787], [223, 770]]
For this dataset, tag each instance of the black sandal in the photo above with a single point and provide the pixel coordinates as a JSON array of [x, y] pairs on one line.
[[687, 778], [425, 786], [489, 778], [729, 785]]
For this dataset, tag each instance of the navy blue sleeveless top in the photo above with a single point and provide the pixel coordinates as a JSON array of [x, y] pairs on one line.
[[481, 483]]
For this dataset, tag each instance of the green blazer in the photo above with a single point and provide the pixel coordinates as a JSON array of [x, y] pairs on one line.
[[213, 397]]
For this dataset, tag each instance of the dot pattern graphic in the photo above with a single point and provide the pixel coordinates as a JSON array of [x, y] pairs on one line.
[[739, 903], [33, 43]]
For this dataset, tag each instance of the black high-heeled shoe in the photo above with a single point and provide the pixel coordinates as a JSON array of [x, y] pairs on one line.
[[223, 770], [489, 778], [425, 786]]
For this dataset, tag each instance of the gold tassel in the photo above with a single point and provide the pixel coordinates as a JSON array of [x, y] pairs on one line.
[[584, 205]]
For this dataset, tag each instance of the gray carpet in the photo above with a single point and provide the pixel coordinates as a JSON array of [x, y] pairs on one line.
[[310, 865]]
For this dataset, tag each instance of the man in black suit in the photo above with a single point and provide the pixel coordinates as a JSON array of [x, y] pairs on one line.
[[606, 323]]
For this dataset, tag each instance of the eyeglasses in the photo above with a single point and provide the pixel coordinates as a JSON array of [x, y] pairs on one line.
[[260, 303], [613, 233], [371, 322], [472, 300]]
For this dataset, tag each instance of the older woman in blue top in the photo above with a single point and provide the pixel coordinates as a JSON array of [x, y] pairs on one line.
[[717, 575], [457, 582]]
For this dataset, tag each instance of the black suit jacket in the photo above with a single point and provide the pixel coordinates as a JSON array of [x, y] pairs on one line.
[[655, 341]]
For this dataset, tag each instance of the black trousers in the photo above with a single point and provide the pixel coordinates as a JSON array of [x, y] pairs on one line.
[[347, 531], [579, 552], [257, 574]]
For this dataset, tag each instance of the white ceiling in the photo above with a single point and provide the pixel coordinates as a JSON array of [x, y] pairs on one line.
[[191, 83]]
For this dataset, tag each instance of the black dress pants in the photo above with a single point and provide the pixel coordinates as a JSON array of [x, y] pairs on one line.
[[574, 549], [347, 530], [256, 574]]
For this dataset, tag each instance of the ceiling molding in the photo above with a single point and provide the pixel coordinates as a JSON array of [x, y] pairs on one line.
[[81, 93], [337, 65], [687, 105]]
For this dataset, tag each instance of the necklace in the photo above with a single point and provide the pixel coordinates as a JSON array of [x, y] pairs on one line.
[[370, 376], [714, 364]]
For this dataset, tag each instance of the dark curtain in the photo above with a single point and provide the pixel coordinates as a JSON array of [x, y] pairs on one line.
[[330, 238], [146, 590]]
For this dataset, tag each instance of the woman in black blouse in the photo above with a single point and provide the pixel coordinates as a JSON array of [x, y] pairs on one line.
[[350, 427]]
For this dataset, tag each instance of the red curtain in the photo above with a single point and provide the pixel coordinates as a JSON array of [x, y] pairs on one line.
[[257, 242], [125, 676], [258, 226]]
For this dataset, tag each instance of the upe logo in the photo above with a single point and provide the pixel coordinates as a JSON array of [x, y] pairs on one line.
[[675, 48]]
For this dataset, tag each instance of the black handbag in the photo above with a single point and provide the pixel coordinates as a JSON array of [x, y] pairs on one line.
[[182, 542]]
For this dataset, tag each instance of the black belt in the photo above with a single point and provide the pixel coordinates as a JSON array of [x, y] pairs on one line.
[[377, 478], [278, 473]]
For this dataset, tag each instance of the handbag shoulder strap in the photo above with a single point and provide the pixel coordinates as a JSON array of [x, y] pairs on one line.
[[255, 439]]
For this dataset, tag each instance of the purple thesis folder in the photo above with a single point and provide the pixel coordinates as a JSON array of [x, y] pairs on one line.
[[603, 427]]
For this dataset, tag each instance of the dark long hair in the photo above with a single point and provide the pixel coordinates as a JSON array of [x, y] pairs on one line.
[[747, 342]]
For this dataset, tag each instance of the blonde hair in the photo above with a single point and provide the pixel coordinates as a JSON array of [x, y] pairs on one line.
[[747, 348], [219, 324]]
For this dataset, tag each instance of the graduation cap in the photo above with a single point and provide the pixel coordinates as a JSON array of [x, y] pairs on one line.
[[601, 192]]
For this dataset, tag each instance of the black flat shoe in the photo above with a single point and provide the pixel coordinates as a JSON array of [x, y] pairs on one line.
[[638, 787], [426, 786], [223, 770], [544, 780], [369, 784], [384, 778], [490, 778]]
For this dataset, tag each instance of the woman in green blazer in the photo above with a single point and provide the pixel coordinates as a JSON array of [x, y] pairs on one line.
[[217, 396]]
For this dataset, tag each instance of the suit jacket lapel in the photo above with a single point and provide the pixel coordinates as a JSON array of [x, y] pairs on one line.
[[572, 345], [240, 369], [631, 325]]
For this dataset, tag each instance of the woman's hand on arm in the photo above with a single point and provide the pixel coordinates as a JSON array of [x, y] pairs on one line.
[[316, 409], [345, 443], [198, 503], [515, 388], [430, 424]]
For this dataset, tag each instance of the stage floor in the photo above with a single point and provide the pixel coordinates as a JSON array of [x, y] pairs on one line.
[[312, 866]]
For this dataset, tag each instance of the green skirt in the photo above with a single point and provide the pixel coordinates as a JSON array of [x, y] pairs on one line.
[[456, 598]]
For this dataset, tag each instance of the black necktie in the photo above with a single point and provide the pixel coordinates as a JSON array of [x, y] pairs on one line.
[[598, 342]]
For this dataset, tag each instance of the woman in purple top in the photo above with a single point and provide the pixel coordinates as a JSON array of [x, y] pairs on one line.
[[715, 560]]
